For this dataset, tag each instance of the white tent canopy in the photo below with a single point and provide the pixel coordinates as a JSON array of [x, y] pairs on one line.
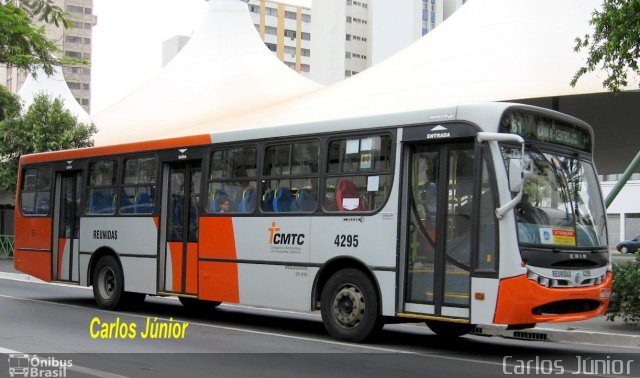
[[224, 68], [54, 86], [489, 50]]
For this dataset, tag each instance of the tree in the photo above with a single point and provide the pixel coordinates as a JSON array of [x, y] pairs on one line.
[[614, 45], [46, 126], [25, 46], [10, 105]]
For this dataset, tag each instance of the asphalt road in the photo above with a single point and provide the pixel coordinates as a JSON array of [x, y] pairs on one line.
[[56, 323]]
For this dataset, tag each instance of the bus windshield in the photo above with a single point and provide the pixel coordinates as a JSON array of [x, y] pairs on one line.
[[561, 204]]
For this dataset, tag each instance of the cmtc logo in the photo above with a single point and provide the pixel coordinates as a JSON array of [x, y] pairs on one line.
[[278, 238], [182, 154]]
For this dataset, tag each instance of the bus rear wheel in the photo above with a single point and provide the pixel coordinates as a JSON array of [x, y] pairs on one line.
[[108, 283], [349, 306], [448, 329]]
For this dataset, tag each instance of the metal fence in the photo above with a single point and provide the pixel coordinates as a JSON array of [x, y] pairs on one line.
[[6, 246]]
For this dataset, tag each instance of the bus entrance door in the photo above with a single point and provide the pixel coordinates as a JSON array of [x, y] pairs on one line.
[[66, 226], [180, 209], [439, 182]]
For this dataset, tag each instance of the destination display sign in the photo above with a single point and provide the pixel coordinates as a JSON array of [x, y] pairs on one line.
[[537, 127]]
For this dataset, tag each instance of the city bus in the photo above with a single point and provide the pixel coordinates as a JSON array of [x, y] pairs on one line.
[[474, 214]]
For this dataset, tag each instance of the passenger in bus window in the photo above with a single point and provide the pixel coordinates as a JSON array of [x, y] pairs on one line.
[[225, 205]]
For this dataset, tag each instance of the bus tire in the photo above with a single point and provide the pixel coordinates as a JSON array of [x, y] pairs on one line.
[[448, 329], [349, 306], [108, 283], [195, 305]]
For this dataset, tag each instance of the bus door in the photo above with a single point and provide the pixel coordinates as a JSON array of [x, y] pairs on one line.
[[437, 244], [179, 223], [66, 226]]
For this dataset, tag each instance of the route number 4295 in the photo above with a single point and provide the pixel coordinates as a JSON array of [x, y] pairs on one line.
[[346, 241]]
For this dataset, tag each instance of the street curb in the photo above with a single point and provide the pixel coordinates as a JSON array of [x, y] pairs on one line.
[[19, 277], [561, 336]]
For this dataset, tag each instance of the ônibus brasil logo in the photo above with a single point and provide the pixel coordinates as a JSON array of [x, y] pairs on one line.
[[279, 238], [26, 365]]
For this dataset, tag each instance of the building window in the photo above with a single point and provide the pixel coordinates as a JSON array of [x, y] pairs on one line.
[[271, 11], [85, 87], [305, 52], [305, 36], [290, 33], [306, 18], [270, 30], [347, 55], [305, 68], [254, 8], [348, 37], [349, 2], [290, 50], [73, 85], [349, 19], [272, 47], [290, 15]]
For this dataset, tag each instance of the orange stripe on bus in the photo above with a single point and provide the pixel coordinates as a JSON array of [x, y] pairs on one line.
[[518, 296], [188, 141], [192, 268], [175, 251], [218, 280]]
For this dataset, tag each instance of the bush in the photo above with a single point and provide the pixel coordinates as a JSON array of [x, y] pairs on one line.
[[625, 298]]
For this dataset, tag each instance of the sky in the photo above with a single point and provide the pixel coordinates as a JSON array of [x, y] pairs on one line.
[[127, 42]]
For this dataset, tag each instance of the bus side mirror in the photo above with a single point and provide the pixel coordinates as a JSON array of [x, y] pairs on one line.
[[516, 175]]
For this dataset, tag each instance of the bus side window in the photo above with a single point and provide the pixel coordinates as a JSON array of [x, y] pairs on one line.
[[35, 191], [101, 188], [232, 181], [358, 173]]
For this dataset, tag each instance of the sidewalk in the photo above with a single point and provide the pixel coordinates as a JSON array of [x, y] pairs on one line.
[[596, 331]]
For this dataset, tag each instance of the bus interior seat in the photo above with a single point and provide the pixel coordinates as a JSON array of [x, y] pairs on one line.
[[282, 200], [304, 201], [248, 201], [143, 203], [126, 207], [42, 207], [267, 200], [101, 202], [347, 190]]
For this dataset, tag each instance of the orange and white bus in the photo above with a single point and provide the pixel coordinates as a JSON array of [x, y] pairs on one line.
[[476, 214]]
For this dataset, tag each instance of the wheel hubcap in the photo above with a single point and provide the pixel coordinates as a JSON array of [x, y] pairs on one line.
[[348, 306], [107, 280]]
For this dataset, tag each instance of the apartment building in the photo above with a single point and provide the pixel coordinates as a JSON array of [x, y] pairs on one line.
[[75, 42], [352, 35], [285, 28]]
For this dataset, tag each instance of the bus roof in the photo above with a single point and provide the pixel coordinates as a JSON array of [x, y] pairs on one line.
[[485, 115]]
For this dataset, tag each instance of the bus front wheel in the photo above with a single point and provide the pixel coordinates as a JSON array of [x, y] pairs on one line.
[[108, 283], [349, 306]]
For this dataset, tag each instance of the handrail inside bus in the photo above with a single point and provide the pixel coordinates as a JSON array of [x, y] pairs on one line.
[[501, 137]]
